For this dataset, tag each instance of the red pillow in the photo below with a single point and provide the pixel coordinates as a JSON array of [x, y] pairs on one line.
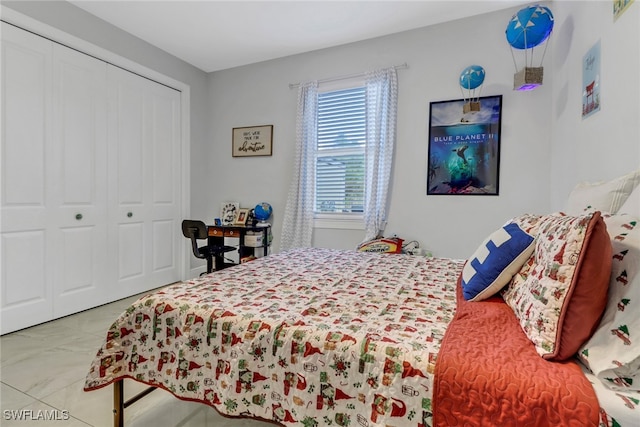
[[559, 298], [590, 284]]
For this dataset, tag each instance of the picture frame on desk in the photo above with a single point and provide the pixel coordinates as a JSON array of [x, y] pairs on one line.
[[228, 212], [241, 216]]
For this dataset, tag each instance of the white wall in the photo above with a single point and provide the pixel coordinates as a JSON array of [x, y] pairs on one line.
[[606, 144], [546, 146], [449, 226]]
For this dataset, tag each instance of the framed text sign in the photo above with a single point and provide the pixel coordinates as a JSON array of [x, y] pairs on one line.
[[252, 141], [464, 147]]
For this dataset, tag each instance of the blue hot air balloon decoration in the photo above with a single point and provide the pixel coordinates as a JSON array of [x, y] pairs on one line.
[[471, 78], [528, 28]]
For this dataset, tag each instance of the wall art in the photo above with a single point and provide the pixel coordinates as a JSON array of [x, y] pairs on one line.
[[252, 141], [464, 148], [619, 7], [591, 81]]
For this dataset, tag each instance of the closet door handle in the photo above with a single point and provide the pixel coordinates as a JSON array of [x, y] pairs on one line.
[[129, 214], [78, 216]]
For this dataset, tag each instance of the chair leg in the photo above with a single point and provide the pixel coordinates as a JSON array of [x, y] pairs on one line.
[[209, 264]]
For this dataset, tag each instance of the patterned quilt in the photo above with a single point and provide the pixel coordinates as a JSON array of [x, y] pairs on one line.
[[304, 338]]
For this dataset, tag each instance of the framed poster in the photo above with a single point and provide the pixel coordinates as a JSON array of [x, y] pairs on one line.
[[464, 148], [619, 6], [591, 81], [252, 141]]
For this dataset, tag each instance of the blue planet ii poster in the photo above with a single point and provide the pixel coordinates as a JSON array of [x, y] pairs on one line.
[[464, 147]]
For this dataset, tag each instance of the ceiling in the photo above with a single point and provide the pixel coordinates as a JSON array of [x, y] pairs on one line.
[[215, 35]]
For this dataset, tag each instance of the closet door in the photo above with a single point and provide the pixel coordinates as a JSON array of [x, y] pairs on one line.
[[27, 247], [144, 182], [79, 169], [90, 178], [54, 222]]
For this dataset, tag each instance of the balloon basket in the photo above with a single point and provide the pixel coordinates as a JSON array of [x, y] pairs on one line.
[[528, 78], [470, 107], [262, 224]]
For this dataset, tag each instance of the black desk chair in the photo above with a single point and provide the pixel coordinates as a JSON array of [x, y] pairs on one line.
[[197, 230]]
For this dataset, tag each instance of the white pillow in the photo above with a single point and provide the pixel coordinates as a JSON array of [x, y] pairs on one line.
[[632, 205], [604, 196]]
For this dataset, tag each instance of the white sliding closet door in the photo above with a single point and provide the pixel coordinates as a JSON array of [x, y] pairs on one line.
[[26, 226], [144, 186], [54, 157], [91, 181], [79, 176]]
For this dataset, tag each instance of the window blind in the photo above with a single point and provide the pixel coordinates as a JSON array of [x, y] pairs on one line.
[[340, 151]]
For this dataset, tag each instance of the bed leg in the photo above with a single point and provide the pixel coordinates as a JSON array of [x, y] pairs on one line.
[[118, 403]]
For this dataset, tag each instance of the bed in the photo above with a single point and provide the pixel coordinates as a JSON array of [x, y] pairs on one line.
[[315, 336]]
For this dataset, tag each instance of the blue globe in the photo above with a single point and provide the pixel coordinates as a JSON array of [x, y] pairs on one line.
[[529, 27], [262, 211], [472, 77]]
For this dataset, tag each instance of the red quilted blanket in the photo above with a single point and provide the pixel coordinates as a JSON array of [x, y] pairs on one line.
[[488, 373]]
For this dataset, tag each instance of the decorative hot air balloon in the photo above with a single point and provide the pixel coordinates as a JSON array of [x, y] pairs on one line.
[[528, 28], [471, 78]]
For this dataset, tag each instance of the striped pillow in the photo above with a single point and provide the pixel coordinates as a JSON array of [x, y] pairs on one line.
[[606, 197]]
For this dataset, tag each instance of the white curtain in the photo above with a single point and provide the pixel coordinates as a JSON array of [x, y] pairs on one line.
[[297, 227], [382, 98]]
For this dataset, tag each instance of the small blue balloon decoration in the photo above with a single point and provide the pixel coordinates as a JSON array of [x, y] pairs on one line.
[[472, 77], [529, 27]]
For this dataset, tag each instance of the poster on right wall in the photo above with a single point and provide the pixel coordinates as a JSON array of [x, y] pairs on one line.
[[591, 81], [619, 6]]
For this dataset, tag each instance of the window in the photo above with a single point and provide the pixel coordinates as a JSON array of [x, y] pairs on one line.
[[345, 140], [340, 151]]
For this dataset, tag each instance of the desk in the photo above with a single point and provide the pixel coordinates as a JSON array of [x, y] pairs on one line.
[[217, 233]]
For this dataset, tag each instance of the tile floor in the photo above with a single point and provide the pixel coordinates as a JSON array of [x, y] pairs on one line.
[[43, 369]]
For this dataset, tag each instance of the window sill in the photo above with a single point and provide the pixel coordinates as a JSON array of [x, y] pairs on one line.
[[343, 222]]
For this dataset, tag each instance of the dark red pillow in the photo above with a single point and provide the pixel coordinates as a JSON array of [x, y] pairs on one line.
[[560, 297], [590, 284]]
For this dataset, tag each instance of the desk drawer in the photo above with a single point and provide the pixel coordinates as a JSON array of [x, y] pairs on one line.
[[223, 232]]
